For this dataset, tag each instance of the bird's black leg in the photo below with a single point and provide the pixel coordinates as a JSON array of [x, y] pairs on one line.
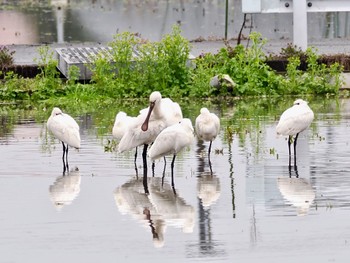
[[135, 155], [172, 174], [144, 158], [295, 150], [211, 170], [296, 171], [153, 166], [290, 171], [63, 159], [289, 143], [144, 181], [136, 170], [164, 171], [144, 155], [209, 154], [67, 158], [64, 151]]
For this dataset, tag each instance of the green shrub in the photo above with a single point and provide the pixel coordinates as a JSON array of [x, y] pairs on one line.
[[6, 57], [157, 66]]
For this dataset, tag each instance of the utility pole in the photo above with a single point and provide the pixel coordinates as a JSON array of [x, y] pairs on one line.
[[226, 19]]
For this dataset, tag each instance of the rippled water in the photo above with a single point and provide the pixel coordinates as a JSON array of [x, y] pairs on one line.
[[252, 208]]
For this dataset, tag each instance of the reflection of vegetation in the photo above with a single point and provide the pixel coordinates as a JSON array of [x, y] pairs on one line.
[[242, 118], [6, 125], [248, 117]]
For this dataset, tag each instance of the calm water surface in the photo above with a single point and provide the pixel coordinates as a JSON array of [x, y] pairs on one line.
[[251, 208]]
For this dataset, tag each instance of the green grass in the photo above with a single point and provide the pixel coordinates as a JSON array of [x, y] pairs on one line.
[[163, 66]]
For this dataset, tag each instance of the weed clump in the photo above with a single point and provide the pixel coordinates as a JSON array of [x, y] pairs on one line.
[[6, 57], [136, 67]]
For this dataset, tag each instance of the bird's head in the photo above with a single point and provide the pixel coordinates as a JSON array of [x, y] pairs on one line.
[[154, 99], [300, 102], [56, 111], [204, 111]]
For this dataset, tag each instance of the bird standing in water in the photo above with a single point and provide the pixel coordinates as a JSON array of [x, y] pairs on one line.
[[160, 114], [293, 121], [171, 141], [207, 127], [66, 129]]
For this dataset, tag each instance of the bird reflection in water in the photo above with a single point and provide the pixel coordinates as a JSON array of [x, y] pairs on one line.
[[208, 192], [158, 209], [65, 189], [296, 191], [208, 187]]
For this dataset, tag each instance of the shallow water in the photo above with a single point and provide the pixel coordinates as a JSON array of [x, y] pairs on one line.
[[252, 208]]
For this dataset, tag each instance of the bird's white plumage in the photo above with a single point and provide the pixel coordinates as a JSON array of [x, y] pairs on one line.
[[207, 125], [135, 137], [164, 113], [64, 128], [121, 124], [172, 139], [295, 119]]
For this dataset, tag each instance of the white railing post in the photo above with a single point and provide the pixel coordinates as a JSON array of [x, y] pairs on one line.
[[300, 24]]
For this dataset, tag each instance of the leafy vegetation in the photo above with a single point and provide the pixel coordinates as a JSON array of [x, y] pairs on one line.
[[164, 66], [6, 57]]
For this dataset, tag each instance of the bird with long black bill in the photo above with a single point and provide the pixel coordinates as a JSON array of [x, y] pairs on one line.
[[293, 121], [161, 113], [65, 129]]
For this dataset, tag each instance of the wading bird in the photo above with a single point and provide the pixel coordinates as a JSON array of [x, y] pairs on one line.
[[293, 121], [66, 129], [207, 127], [121, 124], [171, 141], [160, 114]]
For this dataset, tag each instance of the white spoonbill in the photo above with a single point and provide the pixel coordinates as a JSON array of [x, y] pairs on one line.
[[207, 127], [171, 141], [121, 124], [160, 114], [66, 129], [293, 121]]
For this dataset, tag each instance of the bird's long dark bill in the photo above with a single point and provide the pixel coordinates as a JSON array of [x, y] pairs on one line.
[[144, 126]]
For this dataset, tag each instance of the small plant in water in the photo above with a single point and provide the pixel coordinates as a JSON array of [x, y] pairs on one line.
[[272, 151], [219, 151], [110, 146]]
